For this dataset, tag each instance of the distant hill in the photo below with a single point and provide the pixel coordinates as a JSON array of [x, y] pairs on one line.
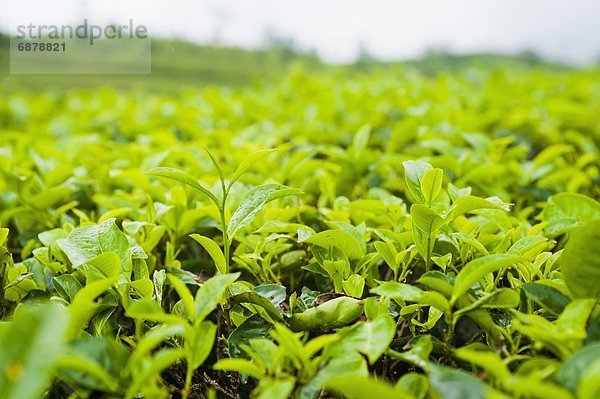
[[177, 65]]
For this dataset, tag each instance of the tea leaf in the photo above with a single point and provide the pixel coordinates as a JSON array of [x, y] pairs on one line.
[[341, 239], [431, 184], [405, 292], [33, 331], [565, 211], [550, 298], [455, 384], [248, 162], [364, 388], [257, 299], [185, 178], [477, 269], [253, 202], [213, 250], [371, 338], [414, 173], [211, 294], [335, 313], [86, 243], [580, 261], [185, 295]]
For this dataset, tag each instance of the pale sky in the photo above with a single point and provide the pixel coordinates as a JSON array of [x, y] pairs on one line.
[[563, 30]]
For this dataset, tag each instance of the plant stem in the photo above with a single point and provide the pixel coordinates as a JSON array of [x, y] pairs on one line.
[[449, 332], [188, 383], [428, 260], [222, 210], [225, 236]]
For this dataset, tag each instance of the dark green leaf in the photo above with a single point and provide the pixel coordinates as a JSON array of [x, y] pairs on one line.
[[580, 261], [549, 298]]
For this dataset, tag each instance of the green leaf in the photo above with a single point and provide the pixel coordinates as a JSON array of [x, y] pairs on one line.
[[19, 283], [49, 238], [543, 331], [107, 263], [201, 344], [487, 360], [318, 343], [4, 236], [257, 299], [425, 218], [388, 253], [288, 342], [574, 318], [213, 250], [31, 343], [87, 242], [158, 281], [455, 384], [95, 363], [414, 173], [356, 232], [332, 314], [565, 211], [371, 338], [425, 224], [211, 294], [469, 204], [182, 177], [67, 286], [215, 162], [253, 327], [549, 298], [280, 388], [406, 292], [472, 242], [264, 351], [273, 292], [498, 299], [49, 197], [247, 163], [153, 338], [418, 354], [475, 270], [456, 192], [354, 285], [80, 371], [347, 364], [152, 369], [565, 335], [414, 384], [143, 287], [580, 261], [336, 270], [532, 386], [253, 202], [148, 309], [589, 383], [357, 387], [185, 295], [431, 184], [240, 366], [84, 305], [360, 141], [529, 246], [572, 369], [437, 281], [341, 239]]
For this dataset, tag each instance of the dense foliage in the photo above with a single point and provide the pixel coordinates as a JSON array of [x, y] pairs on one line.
[[383, 236]]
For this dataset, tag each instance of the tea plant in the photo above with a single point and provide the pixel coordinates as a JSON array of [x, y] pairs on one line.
[[392, 235]]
